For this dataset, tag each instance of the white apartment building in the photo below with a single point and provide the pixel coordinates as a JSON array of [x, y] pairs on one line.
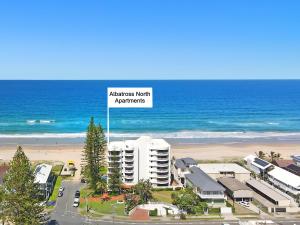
[[144, 158]]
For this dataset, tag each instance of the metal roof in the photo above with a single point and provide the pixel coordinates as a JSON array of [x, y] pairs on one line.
[[222, 167], [285, 177], [201, 180], [42, 173], [183, 163], [266, 190], [233, 184]]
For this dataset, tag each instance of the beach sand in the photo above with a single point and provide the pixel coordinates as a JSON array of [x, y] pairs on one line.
[[220, 152], [196, 151]]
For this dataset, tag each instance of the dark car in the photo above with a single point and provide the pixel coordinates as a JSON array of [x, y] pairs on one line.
[[60, 194], [77, 194]]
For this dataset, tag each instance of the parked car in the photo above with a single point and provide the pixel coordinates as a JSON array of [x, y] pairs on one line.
[[76, 202], [61, 189], [82, 180], [77, 194], [60, 194], [45, 217], [244, 203]]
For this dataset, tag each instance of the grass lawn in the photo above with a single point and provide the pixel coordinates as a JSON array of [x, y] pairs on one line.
[[105, 207], [163, 196], [57, 169], [53, 197]]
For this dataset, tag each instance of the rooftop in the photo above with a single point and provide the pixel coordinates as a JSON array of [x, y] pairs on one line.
[[144, 140], [267, 190], [296, 157], [42, 173], [222, 167], [183, 163], [233, 184], [260, 163], [201, 180], [293, 169], [283, 162], [285, 177]]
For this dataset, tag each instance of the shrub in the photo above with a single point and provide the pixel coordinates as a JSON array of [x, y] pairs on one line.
[[182, 216], [153, 212]]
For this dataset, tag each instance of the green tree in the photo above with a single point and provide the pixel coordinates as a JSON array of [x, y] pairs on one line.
[[93, 154], [2, 205], [21, 193], [143, 190], [115, 176], [188, 201], [101, 186], [130, 201]]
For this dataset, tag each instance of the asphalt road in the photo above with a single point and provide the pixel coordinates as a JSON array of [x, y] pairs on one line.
[[65, 214]]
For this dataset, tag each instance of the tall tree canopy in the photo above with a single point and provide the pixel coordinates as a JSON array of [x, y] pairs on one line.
[[93, 154], [21, 193]]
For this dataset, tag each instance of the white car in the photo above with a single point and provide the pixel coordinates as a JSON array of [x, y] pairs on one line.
[[244, 203], [76, 202], [61, 189]]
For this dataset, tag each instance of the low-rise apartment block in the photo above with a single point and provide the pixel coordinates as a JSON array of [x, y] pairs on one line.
[[144, 158], [218, 170], [45, 179]]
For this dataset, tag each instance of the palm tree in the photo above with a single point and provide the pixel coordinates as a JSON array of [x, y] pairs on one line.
[[272, 156], [261, 154]]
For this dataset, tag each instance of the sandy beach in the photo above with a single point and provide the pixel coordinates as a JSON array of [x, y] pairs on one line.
[[196, 151]]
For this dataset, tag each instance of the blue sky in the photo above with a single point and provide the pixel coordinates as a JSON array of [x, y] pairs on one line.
[[149, 39]]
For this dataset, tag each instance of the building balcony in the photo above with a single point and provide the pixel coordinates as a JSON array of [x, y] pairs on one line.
[[128, 171], [128, 176], [159, 181], [212, 196], [159, 176], [160, 148], [159, 164], [128, 160], [129, 154]]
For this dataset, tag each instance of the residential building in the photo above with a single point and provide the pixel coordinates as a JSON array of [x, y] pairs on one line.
[[257, 165], [144, 158], [181, 167], [270, 194], [288, 165], [45, 179], [237, 190], [296, 159], [205, 187], [218, 170], [284, 180]]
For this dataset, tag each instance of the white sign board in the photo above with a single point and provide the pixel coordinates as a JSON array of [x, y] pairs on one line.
[[129, 97]]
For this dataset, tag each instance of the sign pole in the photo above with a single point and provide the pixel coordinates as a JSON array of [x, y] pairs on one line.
[[107, 124]]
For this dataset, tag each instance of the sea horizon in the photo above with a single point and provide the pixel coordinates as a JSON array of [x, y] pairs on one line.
[[203, 110]]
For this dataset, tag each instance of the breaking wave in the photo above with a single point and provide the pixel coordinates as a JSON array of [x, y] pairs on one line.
[[169, 135]]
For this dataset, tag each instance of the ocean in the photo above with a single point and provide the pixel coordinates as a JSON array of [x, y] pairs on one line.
[[183, 109]]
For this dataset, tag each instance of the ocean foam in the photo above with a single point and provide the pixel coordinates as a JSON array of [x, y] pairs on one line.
[[31, 122], [169, 135]]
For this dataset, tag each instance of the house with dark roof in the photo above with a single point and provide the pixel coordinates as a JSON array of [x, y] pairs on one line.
[[237, 190], [180, 167], [205, 187]]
